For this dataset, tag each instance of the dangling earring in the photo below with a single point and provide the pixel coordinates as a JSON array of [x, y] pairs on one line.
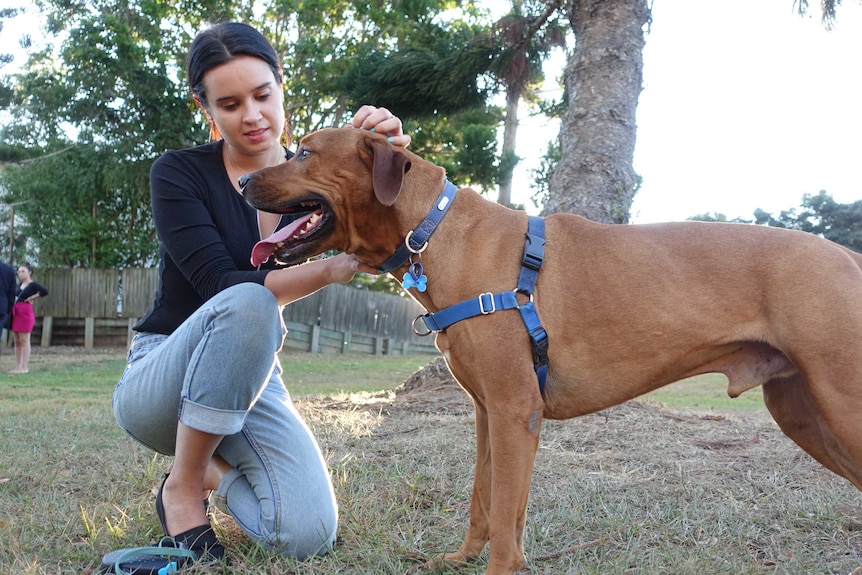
[[215, 134], [213, 129], [285, 139]]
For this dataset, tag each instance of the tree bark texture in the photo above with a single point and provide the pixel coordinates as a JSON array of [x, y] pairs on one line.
[[603, 80]]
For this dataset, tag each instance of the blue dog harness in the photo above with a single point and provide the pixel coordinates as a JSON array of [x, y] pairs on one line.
[[487, 303]]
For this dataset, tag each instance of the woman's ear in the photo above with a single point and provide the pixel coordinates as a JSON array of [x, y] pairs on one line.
[[214, 131]]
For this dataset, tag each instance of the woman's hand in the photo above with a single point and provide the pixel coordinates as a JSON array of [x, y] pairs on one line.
[[381, 121], [344, 266]]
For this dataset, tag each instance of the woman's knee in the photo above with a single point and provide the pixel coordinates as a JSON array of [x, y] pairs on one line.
[[299, 522], [254, 310], [304, 525], [307, 534]]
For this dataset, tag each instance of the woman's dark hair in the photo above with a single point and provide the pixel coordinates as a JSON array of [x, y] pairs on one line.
[[222, 43]]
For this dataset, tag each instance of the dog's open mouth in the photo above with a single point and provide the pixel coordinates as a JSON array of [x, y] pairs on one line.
[[314, 223]]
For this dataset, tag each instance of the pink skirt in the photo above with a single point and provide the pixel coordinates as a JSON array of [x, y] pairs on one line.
[[23, 317]]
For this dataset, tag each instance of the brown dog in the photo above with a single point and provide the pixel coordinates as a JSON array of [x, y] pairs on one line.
[[626, 309]]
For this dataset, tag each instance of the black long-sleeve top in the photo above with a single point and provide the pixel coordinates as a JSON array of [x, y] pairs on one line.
[[28, 291], [206, 230]]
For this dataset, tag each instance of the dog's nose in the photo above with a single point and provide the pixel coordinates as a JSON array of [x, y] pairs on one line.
[[243, 180]]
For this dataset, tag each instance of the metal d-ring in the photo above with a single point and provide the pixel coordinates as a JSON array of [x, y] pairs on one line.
[[407, 243], [522, 292], [416, 331]]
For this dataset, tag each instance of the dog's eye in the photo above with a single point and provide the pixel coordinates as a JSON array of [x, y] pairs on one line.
[[302, 153]]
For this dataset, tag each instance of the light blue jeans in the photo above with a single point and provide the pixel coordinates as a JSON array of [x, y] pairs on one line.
[[219, 373]]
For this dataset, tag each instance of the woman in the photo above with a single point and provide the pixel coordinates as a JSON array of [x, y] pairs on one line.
[[23, 316], [203, 382]]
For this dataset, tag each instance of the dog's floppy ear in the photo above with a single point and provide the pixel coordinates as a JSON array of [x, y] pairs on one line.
[[387, 172]]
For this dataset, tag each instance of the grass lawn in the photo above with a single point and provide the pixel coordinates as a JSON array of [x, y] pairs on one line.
[[707, 391], [693, 483]]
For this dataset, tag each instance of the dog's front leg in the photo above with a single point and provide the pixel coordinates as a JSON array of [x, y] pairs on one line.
[[506, 445], [480, 504], [514, 439]]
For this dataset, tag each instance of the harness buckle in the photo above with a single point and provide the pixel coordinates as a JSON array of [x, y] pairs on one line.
[[539, 342], [486, 310], [534, 252]]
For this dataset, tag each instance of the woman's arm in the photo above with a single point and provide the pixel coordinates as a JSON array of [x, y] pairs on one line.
[[188, 198], [32, 291], [291, 284]]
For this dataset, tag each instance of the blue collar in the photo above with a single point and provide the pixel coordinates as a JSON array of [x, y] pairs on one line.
[[417, 240]]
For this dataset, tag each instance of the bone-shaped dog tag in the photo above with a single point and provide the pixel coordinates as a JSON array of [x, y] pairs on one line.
[[415, 278]]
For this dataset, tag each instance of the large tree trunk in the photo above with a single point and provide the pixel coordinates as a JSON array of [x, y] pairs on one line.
[[510, 135], [595, 177]]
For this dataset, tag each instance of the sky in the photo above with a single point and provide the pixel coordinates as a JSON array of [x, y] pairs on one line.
[[745, 105]]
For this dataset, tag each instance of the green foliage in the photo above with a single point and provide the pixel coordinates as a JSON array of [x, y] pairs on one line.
[[92, 113], [6, 59], [464, 144], [422, 81], [108, 91], [85, 208], [823, 216], [112, 80]]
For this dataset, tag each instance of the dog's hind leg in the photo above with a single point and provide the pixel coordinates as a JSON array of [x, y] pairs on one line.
[[793, 408]]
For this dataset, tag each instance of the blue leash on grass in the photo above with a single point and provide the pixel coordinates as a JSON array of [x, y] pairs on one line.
[[150, 560]]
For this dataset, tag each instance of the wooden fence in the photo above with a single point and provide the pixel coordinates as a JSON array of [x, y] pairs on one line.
[[97, 308]]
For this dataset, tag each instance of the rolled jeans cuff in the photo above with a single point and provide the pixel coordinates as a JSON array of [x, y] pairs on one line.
[[209, 419]]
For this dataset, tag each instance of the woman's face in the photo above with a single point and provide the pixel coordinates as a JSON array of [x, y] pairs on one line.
[[246, 102], [23, 273]]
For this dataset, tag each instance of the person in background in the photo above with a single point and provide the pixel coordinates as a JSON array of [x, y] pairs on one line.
[[203, 381], [23, 316], [8, 286]]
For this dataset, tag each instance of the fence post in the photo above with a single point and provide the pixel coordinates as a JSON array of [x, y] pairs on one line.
[[47, 325], [315, 338], [345, 342], [89, 332]]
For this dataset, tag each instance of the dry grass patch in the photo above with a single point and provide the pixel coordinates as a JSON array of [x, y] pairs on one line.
[[637, 489]]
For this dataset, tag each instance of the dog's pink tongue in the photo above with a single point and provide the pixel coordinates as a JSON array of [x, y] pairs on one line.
[[264, 248]]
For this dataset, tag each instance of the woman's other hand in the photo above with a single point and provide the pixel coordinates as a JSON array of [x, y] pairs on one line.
[[381, 121]]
